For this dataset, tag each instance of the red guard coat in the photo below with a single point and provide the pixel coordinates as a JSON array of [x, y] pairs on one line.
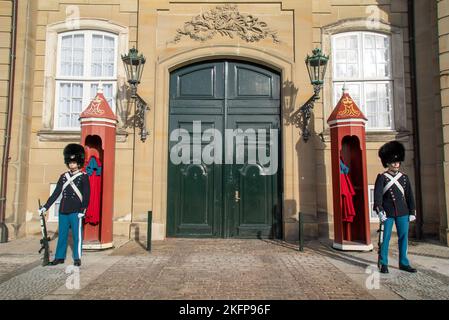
[[347, 192], [94, 170]]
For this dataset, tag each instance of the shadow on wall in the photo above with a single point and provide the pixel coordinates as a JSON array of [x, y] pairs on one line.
[[125, 106], [313, 181]]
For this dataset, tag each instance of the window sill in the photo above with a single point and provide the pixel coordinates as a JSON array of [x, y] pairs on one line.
[[375, 136], [61, 135]]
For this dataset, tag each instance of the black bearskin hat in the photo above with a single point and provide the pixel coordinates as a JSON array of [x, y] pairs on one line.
[[390, 152], [74, 152]]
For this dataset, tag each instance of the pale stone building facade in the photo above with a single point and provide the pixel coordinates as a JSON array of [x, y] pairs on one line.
[[412, 82]]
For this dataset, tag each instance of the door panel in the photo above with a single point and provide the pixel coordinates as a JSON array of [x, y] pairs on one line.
[[254, 211], [194, 189], [252, 90], [198, 89], [229, 199]]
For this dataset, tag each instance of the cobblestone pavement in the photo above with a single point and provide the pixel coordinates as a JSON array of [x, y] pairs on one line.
[[431, 282], [225, 269]]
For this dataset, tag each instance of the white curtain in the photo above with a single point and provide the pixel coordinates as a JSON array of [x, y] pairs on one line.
[[103, 56]]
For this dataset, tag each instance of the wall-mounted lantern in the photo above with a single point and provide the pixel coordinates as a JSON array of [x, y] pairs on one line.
[[316, 66], [134, 64]]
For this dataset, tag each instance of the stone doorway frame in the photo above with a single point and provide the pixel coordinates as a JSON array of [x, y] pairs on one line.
[[164, 66]]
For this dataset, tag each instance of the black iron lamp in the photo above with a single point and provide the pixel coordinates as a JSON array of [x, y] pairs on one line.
[[134, 64], [316, 66]]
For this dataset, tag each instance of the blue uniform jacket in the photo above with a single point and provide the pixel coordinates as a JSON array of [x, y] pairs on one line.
[[70, 202], [393, 202]]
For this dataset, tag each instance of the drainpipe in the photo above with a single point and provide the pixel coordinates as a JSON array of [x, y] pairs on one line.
[[9, 114], [416, 145]]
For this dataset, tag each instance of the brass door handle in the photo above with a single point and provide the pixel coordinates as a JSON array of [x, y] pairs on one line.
[[237, 196]]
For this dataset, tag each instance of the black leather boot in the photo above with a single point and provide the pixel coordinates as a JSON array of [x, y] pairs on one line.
[[407, 268], [55, 262], [384, 269], [77, 263]]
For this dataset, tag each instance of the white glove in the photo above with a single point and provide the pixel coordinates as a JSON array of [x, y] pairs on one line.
[[382, 216], [42, 211], [411, 218], [81, 215]]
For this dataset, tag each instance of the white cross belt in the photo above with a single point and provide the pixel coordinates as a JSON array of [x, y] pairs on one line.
[[393, 181], [74, 187]]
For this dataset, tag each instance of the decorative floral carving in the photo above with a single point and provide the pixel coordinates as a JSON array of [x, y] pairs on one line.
[[227, 21], [349, 110]]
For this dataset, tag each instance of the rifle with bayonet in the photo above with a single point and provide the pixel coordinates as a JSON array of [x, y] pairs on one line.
[[45, 239]]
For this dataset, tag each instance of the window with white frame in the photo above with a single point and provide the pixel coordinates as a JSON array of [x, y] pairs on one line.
[[362, 61], [85, 58], [372, 213], [54, 209]]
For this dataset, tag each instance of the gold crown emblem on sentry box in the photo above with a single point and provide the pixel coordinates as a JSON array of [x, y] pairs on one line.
[[349, 110]]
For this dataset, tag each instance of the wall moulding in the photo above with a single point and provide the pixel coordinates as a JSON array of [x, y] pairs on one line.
[[225, 20]]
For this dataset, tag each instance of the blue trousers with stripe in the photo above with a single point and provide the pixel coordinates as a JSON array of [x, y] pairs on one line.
[[69, 221], [402, 224]]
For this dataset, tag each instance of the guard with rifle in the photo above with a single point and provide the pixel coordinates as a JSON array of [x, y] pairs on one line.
[[75, 189], [394, 204]]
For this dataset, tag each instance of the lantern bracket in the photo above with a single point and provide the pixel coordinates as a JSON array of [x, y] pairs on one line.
[[139, 118], [306, 111], [134, 63], [316, 67]]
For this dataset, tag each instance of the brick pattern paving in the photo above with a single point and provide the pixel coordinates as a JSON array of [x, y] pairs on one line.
[[222, 269], [225, 269], [33, 284]]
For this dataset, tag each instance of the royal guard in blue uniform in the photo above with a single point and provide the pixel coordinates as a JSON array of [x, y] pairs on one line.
[[394, 203], [75, 189]]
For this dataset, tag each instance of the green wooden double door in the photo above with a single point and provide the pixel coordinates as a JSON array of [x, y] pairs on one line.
[[231, 197]]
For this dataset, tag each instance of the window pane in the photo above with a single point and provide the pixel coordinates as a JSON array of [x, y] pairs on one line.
[[370, 41], [352, 56], [78, 41], [97, 55], [108, 56], [103, 56], [72, 55], [383, 70], [340, 43], [370, 56], [353, 91], [352, 71], [77, 104], [381, 42], [376, 56], [66, 56], [70, 104], [378, 104], [382, 55], [352, 42], [346, 57], [341, 71], [78, 55]]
